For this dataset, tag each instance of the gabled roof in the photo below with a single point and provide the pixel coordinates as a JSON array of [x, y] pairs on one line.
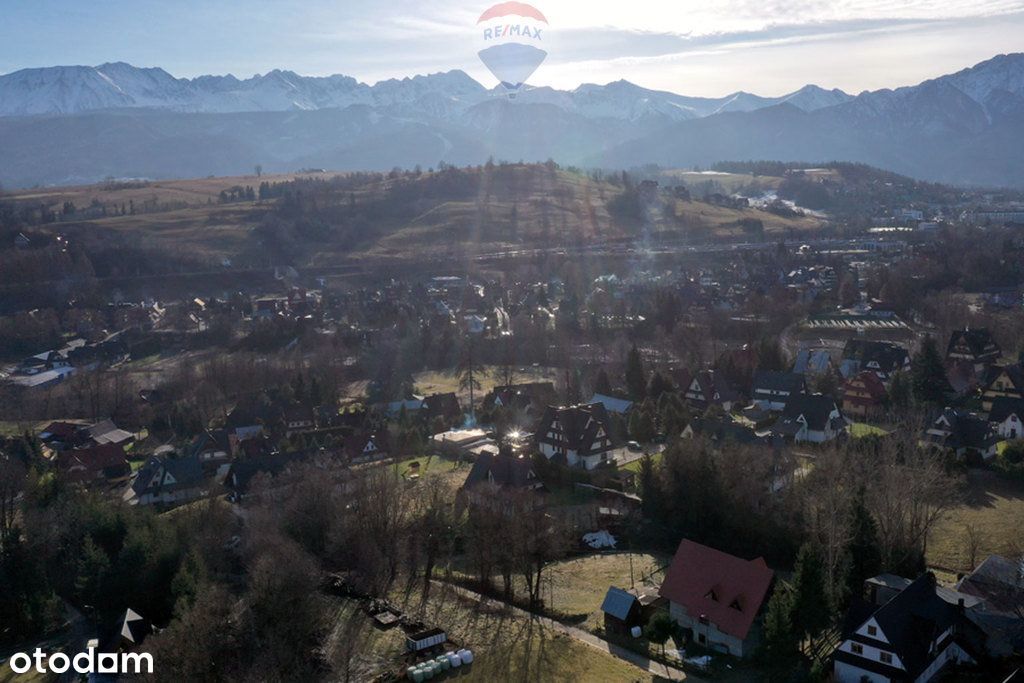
[[726, 589], [978, 340], [612, 404], [869, 382], [997, 581], [912, 620], [1004, 406], [83, 464], [815, 409], [503, 470], [580, 425], [618, 603], [1015, 373], [880, 356], [772, 380]]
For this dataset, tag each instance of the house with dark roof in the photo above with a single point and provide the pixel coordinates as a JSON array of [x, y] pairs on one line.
[[717, 598], [1006, 381], [166, 480], [444, 406], [724, 429], [578, 435], [961, 433], [815, 418], [772, 390], [504, 478], [1007, 417], [882, 358], [613, 404], [526, 396], [976, 348], [622, 611], [213, 448], [708, 388], [864, 395], [242, 471], [916, 636], [998, 584], [366, 446]]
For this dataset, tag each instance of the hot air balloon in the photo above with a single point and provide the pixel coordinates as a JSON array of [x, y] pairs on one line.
[[512, 42]]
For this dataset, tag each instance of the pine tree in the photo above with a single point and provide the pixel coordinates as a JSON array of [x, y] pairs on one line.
[[781, 644], [636, 379], [602, 385], [899, 391], [927, 374], [811, 612], [863, 557]]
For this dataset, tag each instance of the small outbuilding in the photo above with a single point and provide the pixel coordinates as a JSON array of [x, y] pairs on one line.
[[622, 611]]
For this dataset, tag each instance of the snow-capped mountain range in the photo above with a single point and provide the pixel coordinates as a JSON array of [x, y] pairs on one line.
[[74, 124], [77, 89]]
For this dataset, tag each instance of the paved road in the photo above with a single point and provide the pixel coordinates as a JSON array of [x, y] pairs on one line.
[[656, 668]]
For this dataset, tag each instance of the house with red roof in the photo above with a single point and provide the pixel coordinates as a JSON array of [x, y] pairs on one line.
[[864, 395], [102, 463], [717, 598]]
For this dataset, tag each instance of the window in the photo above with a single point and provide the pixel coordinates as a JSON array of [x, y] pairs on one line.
[[702, 639], [885, 657], [872, 631], [856, 648]]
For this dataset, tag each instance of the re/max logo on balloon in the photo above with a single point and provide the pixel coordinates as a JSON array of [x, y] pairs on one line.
[[509, 36], [510, 31]]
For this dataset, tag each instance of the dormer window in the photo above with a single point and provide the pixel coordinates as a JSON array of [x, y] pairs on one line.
[[735, 604]]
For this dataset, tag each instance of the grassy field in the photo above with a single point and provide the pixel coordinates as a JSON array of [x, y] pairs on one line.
[[506, 646], [993, 514], [444, 381], [578, 585], [429, 464], [861, 429], [636, 464]]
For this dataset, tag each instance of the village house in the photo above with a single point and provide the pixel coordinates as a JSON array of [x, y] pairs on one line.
[[612, 404], [883, 358], [772, 390], [165, 480], [527, 396], [961, 433], [814, 418], [1003, 381], [708, 388], [912, 637], [366, 447], [96, 464], [503, 478], [998, 584], [1007, 417], [864, 395], [975, 348], [717, 598], [575, 435]]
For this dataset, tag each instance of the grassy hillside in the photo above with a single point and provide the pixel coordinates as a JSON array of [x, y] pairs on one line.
[[316, 219]]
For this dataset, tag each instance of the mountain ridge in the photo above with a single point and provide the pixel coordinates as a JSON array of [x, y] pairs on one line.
[[962, 128]]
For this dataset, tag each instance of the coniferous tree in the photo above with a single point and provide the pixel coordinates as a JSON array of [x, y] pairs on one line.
[[781, 645], [811, 612], [636, 379], [927, 374], [602, 385], [863, 557]]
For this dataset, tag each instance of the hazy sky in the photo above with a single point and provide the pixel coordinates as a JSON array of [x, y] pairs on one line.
[[694, 47]]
